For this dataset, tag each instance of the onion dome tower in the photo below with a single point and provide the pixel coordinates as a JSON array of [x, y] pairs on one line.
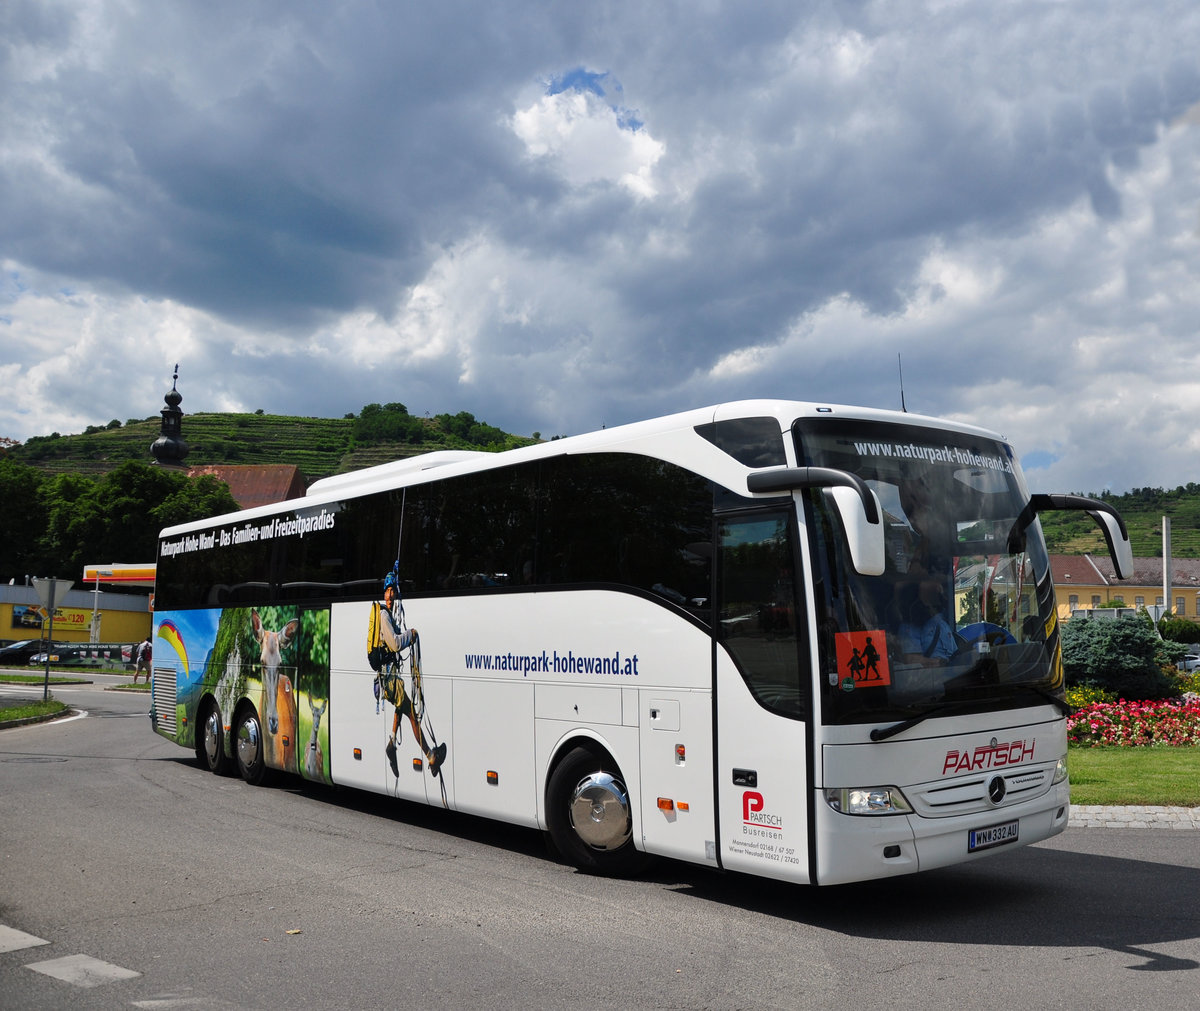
[[169, 449]]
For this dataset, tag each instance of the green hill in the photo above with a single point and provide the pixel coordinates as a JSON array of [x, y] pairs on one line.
[[1142, 509], [320, 447]]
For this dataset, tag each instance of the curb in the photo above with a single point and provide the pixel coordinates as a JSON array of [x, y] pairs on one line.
[[1095, 816], [30, 720]]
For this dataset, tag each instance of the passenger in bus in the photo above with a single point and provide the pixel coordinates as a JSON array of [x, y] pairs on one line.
[[385, 641]]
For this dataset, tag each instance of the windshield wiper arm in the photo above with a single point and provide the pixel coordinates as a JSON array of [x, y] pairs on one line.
[[883, 733]]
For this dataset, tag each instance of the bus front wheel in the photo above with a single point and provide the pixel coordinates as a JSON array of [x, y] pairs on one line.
[[589, 816], [248, 746]]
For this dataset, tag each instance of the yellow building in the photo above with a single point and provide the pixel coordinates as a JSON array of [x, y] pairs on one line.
[[122, 617], [1085, 582]]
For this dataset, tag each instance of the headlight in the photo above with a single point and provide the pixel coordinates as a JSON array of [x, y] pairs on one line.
[[1060, 770], [868, 800]]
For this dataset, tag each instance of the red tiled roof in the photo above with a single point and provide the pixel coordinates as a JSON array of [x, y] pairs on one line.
[[257, 485], [1097, 570]]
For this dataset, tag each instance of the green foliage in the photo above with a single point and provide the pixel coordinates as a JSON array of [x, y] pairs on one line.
[[20, 488], [1120, 656], [57, 524], [464, 427], [1167, 653], [1179, 629], [387, 423]]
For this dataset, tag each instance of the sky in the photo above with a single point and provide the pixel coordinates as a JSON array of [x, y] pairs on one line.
[[566, 216]]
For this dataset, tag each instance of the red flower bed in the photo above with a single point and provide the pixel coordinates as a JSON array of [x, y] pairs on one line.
[[1132, 724]]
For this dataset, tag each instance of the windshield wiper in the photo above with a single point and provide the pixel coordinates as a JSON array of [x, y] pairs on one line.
[[883, 733]]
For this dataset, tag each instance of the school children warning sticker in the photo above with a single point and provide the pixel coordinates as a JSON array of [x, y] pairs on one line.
[[862, 657]]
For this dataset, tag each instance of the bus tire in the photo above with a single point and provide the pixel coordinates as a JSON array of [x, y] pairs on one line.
[[210, 741], [589, 816], [248, 746]]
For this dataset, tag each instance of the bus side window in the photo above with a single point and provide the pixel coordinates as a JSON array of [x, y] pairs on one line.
[[759, 613]]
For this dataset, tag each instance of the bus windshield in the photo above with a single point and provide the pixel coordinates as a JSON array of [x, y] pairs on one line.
[[963, 616]]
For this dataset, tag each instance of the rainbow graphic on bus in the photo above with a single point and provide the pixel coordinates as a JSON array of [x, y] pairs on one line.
[[169, 633]]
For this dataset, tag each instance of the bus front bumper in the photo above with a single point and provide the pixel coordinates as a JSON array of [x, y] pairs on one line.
[[866, 847]]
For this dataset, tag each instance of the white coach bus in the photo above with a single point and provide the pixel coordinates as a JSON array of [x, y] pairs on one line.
[[811, 642]]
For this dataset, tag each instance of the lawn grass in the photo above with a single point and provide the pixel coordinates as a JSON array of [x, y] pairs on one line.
[[1168, 777], [29, 710], [6, 677]]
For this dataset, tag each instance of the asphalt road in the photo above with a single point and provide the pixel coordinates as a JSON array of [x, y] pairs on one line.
[[156, 885]]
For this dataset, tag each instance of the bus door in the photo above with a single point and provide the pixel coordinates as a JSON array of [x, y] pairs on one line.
[[762, 699]]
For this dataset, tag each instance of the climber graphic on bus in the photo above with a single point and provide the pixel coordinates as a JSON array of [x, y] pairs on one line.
[[391, 645]]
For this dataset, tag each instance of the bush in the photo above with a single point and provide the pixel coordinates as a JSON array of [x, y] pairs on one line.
[[1179, 629], [1123, 656]]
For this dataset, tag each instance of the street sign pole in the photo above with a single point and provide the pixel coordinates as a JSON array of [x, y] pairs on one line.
[[49, 647], [51, 591]]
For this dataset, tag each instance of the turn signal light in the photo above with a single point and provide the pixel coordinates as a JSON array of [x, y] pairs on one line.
[[666, 804]]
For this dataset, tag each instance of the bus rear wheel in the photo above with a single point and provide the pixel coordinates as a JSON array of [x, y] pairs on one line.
[[248, 746], [210, 741], [589, 815]]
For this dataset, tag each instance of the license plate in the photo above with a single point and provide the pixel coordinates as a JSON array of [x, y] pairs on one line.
[[993, 835]]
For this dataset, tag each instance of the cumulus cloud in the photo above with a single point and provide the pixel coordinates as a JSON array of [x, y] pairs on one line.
[[587, 140]]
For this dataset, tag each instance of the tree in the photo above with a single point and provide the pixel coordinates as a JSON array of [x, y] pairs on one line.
[[59, 497], [1121, 656], [20, 533], [387, 423], [198, 498], [472, 432], [117, 519]]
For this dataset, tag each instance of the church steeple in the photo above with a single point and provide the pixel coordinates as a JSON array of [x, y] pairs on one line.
[[169, 449]]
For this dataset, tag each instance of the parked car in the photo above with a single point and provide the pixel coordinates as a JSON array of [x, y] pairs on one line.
[[1189, 663], [21, 654], [86, 654]]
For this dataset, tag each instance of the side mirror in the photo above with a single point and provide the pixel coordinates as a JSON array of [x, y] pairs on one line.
[[1116, 535], [857, 506]]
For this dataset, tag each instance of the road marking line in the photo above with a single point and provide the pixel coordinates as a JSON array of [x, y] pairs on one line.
[[82, 970], [15, 940]]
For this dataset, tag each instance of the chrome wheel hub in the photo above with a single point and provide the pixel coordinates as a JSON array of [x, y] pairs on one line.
[[212, 735], [248, 739], [600, 812]]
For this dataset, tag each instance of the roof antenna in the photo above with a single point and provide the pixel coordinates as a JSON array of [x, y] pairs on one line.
[[900, 366]]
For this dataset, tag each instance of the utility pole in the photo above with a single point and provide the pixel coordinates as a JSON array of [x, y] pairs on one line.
[[1166, 550]]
